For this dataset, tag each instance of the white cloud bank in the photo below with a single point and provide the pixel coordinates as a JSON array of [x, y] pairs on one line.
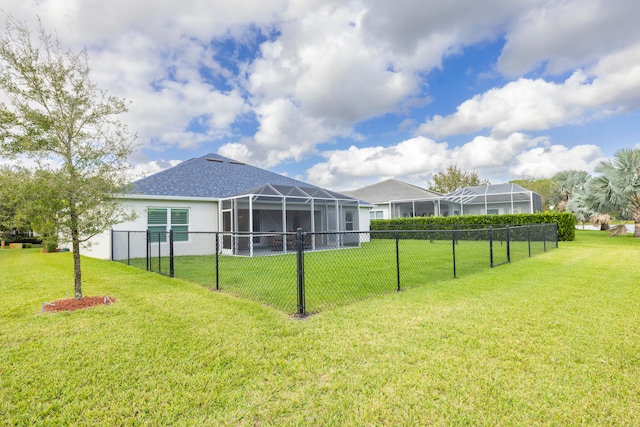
[[527, 105], [323, 67]]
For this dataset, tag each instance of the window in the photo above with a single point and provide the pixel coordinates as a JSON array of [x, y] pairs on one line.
[[348, 220], [160, 220], [376, 215]]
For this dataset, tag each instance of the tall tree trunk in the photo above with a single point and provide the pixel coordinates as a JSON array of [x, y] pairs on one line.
[[75, 242], [636, 231], [77, 272]]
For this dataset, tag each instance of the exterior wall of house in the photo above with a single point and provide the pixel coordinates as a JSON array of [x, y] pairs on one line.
[[203, 216], [380, 211], [503, 208], [364, 222]]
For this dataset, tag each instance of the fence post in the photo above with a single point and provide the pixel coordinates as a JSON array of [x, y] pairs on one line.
[[148, 248], [217, 261], [508, 245], [491, 246], [529, 239], [398, 260], [112, 244], [556, 230], [160, 250], [453, 246], [301, 299], [128, 248], [171, 265], [544, 238]]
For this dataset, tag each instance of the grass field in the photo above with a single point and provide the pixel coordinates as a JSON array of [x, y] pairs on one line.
[[549, 340], [338, 277]]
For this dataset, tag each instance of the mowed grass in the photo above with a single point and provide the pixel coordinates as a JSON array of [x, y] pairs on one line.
[[549, 340], [338, 277]]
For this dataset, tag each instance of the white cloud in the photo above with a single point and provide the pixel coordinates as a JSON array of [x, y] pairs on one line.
[[419, 35], [527, 104], [316, 81], [544, 162], [489, 153], [417, 159], [285, 134], [564, 35]]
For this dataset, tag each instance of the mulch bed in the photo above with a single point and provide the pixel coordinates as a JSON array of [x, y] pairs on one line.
[[69, 304]]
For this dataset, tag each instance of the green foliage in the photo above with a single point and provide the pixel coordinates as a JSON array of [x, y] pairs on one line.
[[616, 188], [50, 243], [565, 184], [454, 178], [12, 181], [565, 221], [544, 187], [25, 240]]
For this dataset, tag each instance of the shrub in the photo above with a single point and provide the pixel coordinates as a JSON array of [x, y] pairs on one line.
[[20, 239], [565, 220]]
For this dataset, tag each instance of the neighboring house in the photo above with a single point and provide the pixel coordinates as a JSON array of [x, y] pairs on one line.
[[397, 199], [217, 194], [393, 198]]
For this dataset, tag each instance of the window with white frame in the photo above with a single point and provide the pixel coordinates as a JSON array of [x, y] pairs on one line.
[[161, 220], [376, 215], [348, 220]]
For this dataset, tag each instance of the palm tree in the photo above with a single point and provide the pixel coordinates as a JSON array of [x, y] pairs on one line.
[[565, 184], [577, 205], [617, 187]]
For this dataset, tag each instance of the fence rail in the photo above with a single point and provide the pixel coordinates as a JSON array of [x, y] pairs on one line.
[[302, 272]]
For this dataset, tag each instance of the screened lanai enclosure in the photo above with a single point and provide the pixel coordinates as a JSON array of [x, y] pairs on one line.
[[494, 199], [265, 220]]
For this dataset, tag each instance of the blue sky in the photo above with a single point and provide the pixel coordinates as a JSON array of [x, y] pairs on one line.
[[346, 93]]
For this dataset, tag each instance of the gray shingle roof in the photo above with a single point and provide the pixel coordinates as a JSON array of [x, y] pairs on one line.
[[213, 176], [391, 189]]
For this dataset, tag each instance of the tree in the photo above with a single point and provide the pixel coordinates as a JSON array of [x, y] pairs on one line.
[[565, 184], [578, 206], [544, 187], [454, 178], [616, 188], [58, 118], [10, 181]]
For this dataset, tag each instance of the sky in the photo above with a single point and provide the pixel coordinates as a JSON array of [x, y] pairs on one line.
[[343, 94]]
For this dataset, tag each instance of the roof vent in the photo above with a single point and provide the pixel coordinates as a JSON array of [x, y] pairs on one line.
[[211, 159], [234, 162]]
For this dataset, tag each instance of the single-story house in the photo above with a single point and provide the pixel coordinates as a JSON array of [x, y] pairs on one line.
[[393, 198], [213, 193], [396, 199]]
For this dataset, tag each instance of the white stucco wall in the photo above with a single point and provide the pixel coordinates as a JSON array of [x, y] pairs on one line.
[[364, 223], [203, 216]]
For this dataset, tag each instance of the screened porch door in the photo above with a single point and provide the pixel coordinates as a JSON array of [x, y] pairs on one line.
[[227, 228]]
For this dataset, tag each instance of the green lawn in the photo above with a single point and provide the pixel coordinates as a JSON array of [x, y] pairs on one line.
[[549, 340], [339, 277]]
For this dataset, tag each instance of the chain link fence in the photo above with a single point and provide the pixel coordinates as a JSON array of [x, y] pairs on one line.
[[303, 273]]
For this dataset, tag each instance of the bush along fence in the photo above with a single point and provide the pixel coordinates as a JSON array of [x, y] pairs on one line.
[[566, 222], [302, 273]]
